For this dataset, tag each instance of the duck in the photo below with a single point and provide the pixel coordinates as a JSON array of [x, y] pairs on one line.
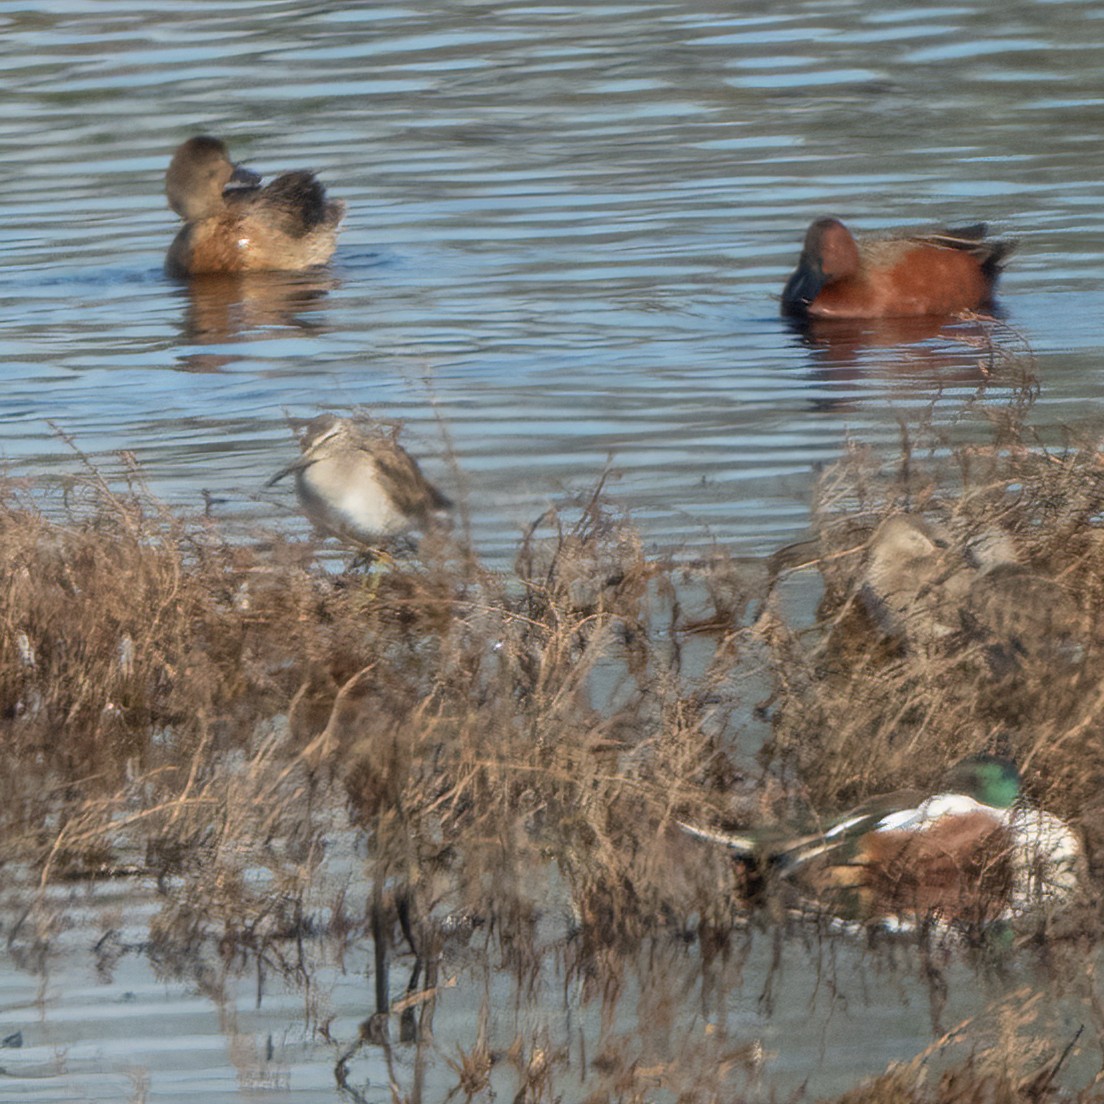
[[911, 585], [1025, 622], [362, 487], [941, 272], [927, 595], [973, 853], [233, 225]]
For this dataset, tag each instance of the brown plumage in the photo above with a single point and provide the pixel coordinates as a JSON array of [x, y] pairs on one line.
[[1022, 619], [910, 586], [973, 854], [925, 595], [958, 868], [938, 273], [361, 487], [232, 224]]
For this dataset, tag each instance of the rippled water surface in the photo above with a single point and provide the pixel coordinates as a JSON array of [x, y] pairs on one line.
[[568, 228]]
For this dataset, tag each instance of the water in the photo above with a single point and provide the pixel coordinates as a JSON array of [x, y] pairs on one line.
[[568, 227], [567, 231]]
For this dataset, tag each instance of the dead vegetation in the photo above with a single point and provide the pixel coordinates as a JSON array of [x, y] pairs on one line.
[[1006, 1056], [513, 747], [858, 711]]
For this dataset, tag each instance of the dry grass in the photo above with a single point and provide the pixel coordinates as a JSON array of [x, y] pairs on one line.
[[513, 745], [1005, 1057], [855, 713]]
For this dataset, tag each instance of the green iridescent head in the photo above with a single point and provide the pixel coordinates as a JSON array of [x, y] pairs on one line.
[[990, 779]]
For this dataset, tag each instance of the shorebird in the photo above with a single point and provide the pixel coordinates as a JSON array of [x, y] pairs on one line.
[[361, 487]]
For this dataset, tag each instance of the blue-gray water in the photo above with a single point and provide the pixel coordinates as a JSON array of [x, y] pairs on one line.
[[568, 227]]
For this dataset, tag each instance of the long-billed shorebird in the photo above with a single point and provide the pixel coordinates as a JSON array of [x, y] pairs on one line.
[[361, 487]]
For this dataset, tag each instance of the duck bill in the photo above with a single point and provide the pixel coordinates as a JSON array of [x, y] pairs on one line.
[[801, 289], [242, 180]]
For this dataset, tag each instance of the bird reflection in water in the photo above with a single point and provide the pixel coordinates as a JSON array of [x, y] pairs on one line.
[[221, 310], [968, 349]]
